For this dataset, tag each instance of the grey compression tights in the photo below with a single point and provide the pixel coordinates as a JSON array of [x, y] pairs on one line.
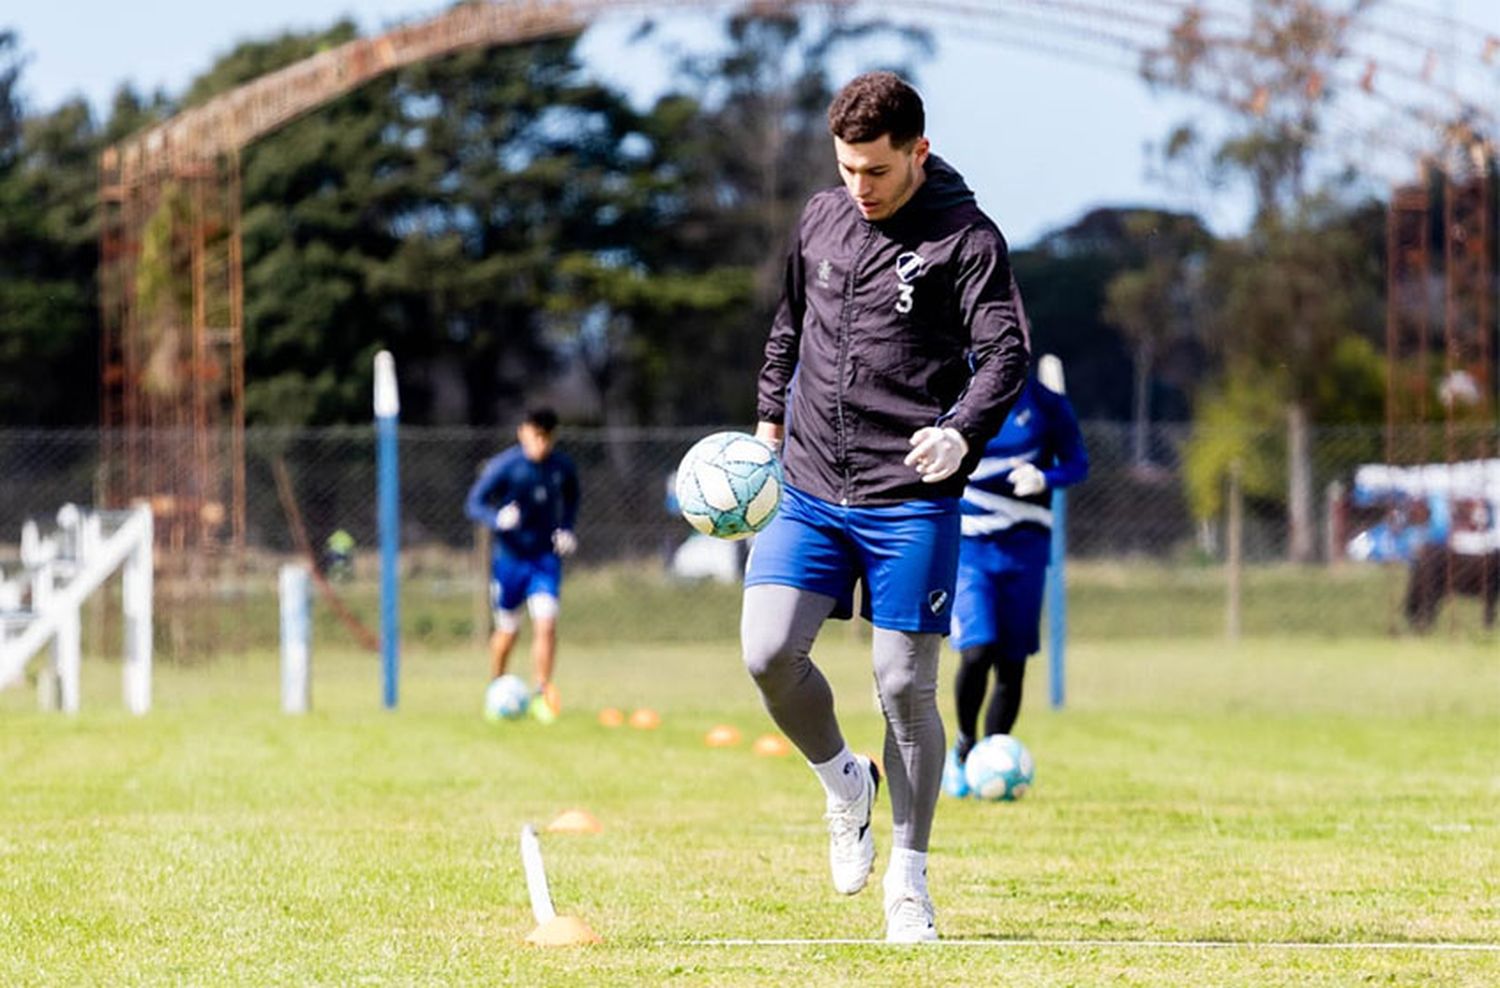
[[777, 629]]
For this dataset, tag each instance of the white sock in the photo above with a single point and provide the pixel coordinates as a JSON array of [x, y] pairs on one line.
[[907, 870], [841, 777]]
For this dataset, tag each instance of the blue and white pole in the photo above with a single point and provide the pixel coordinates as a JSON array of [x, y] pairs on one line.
[[1057, 601], [1049, 372], [387, 419]]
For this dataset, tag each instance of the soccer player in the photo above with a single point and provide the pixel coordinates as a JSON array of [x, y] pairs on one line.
[[898, 347], [1002, 562], [528, 496]]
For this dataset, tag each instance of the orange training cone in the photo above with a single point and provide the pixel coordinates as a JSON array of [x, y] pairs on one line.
[[771, 745], [645, 719], [611, 717], [722, 736], [562, 931], [575, 822]]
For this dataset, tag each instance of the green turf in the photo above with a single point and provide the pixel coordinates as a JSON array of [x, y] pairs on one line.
[[1275, 792]]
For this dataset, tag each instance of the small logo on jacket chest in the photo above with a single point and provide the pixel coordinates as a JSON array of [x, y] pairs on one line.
[[909, 268], [825, 272]]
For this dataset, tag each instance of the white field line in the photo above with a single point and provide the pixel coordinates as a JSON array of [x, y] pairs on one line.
[[1423, 946]]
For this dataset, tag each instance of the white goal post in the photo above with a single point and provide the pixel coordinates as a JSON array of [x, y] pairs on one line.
[[61, 571]]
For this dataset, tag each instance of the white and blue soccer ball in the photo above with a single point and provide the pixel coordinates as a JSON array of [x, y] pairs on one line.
[[506, 698], [729, 485], [999, 767]]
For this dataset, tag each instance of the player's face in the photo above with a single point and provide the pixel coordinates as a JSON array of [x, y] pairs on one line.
[[535, 443], [880, 178]]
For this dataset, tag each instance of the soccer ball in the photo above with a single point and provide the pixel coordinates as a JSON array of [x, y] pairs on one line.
[[506, 698], [729, 485], [999, 767]]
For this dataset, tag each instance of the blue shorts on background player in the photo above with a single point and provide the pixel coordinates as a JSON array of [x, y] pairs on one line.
[[528, 498], [1002, 563]]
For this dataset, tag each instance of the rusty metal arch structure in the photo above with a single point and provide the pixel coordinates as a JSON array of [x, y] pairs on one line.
[[172, 359], [171, 293]]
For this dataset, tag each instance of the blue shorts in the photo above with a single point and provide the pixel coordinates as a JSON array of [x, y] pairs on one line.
[[999, 601], [513, 580], [907, 555]]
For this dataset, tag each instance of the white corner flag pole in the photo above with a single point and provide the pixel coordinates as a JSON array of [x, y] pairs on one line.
[[1049, 371], [536, 876]]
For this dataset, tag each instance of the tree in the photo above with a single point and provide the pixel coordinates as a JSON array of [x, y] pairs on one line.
[[48, 312], [1295, 284], [531, 187], [733, 150], [1066, 278], [1154, 302]]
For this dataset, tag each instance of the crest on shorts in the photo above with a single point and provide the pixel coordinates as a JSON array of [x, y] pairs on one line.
[[937, 600]]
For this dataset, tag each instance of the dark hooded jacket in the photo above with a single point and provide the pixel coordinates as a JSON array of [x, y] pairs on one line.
[[885, 327]]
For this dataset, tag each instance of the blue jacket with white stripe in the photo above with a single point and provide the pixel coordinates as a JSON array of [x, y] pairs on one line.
[[1041, 430]]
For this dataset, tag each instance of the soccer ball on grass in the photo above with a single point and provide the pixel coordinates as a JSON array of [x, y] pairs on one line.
[[999, 767], [506, 698]]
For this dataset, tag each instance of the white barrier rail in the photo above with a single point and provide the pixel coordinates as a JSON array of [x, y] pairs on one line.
[[59, 590]]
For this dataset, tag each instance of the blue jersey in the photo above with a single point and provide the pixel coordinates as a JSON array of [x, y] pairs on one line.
[[1040, 430], [546, 494]]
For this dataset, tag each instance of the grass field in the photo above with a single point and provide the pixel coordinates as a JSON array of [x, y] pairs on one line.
[[1275, 793], [442, 603]]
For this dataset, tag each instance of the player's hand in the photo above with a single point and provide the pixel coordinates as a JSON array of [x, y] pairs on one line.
[[564, 542], [1027, 480], [508, 517], [936, 453], [770, 433]]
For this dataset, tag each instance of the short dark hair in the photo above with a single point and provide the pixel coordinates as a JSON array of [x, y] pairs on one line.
[[877, 103], [542, 418]]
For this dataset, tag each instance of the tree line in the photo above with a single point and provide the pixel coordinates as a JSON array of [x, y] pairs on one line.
[[511, 226]]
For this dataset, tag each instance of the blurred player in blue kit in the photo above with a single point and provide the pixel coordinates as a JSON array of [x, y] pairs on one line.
[[899, 346], [528, 497], [1002, 562]]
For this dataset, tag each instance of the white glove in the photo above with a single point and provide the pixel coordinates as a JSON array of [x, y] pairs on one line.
[[508, 517], [936, 453], [564, 542], [1027, 480]]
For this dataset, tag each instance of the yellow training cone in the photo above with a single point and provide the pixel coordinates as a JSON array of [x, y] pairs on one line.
[[562, 931], [611, 717], [645, 719], [575, 822], [722, 736], [770, 745]]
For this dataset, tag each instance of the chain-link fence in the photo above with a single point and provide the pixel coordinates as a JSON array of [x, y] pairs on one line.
[[1148, 532]]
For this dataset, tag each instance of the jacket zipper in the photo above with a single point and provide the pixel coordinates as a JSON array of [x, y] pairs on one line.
[[845, 320]]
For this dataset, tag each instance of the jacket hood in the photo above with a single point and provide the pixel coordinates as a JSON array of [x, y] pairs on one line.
[[941, 189]]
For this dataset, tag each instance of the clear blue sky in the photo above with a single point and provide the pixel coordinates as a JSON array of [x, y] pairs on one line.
[[1041, 139]]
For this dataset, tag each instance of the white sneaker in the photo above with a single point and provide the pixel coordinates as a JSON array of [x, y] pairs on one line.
[[909, 917], [851, 843]]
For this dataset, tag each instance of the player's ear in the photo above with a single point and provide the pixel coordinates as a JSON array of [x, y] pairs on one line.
[[920, 150]]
